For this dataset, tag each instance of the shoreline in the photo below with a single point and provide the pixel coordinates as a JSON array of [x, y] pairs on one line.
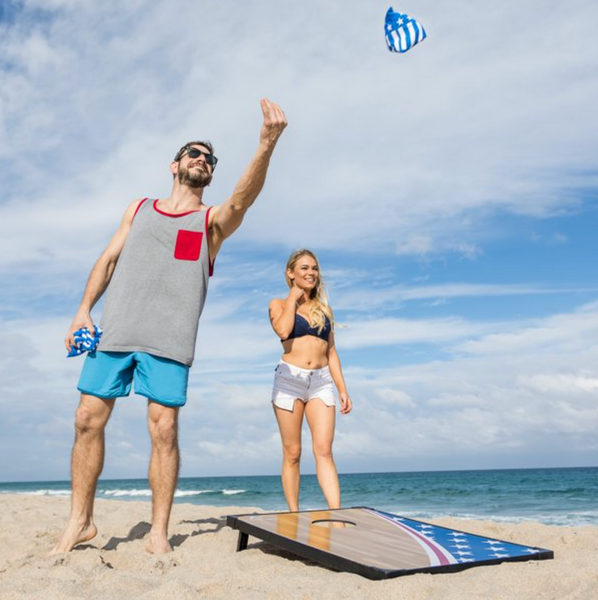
[[341, 474], [555, 496], [205, 563], [555, 520]]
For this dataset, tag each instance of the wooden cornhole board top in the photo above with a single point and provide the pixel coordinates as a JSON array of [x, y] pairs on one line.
[[377, 544]]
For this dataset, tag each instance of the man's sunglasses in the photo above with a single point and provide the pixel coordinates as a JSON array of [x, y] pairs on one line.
[[195, 153]]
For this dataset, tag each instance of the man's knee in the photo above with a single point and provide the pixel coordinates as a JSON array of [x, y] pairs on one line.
[[89, 421], [164, 430]]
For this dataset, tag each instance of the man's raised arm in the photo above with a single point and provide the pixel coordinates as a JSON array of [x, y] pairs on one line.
[[228, 216]]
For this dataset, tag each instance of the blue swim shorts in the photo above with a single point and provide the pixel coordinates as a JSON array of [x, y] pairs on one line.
[[109, 375]]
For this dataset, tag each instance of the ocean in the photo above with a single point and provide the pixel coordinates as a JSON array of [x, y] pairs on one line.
[[564, 496]]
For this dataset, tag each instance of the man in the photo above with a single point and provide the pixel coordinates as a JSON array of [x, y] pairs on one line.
[[156, 270]]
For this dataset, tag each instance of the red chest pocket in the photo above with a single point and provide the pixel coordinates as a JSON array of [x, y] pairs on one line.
[[188, 245]]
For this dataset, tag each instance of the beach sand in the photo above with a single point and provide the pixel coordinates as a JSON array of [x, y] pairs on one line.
[[206, 565]]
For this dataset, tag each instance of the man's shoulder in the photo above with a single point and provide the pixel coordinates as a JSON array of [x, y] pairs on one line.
[[134, 206], [131, 211], [214, 208]]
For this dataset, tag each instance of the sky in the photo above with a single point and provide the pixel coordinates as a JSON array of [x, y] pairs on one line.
[[449, 193]]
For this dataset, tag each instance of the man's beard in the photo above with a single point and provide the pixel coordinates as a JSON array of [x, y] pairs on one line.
[[194, 178]]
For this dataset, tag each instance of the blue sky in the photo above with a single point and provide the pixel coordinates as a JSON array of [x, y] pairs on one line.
[[450, 194]]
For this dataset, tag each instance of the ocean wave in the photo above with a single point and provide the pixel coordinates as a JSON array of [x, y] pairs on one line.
[[120, 493], [144, 493], [184, 493], [45, 493], [233, 492], [572, 519]]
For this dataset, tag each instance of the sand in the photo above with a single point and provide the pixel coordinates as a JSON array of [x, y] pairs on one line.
[[205, 564]]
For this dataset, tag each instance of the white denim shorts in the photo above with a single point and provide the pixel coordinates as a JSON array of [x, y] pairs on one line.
[[291, 382]]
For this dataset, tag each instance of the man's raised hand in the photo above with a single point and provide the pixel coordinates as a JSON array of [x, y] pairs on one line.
[[274, 123]]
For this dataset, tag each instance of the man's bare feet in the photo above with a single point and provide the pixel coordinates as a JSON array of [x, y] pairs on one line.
[[74, 534], [157, 544]]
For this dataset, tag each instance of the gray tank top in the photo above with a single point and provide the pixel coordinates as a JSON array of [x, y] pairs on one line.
[[159, 286]]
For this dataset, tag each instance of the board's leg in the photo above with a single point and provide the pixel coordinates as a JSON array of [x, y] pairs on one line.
[[242, 541]]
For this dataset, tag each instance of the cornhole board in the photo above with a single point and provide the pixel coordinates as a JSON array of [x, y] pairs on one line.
[[377, 544]]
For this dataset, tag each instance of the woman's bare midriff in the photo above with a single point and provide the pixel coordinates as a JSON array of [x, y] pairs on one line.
[[307, 352]]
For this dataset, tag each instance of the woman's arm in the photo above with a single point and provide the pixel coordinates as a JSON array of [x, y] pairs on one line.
[[282, 313], [334, 363]]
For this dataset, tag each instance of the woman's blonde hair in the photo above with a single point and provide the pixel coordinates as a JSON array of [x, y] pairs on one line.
[[319, 308]]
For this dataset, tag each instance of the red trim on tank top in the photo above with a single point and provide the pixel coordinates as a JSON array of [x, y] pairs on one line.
[[210, 261], [175, 216], [137, 209]]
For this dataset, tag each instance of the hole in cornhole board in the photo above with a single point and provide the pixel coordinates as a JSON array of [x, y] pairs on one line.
[[333, 523]]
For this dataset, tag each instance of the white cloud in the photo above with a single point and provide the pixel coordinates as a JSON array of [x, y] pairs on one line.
[[569, 332], [414, 172], [490, 409], [393, 331], [395, 397], [413, 155], [416, 244], [395, 295], [562, 384]]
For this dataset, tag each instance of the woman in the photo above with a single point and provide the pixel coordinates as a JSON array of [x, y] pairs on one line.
[[304, 376]]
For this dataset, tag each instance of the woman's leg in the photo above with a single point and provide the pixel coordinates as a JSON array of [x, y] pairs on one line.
[[321, 419], [289, 424]]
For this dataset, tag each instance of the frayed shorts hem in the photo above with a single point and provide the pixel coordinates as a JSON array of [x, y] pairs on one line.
[[294, 383], [289, 405]]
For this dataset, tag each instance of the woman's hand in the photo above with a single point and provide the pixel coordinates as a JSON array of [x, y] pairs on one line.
[[346, 403], [296, 293]]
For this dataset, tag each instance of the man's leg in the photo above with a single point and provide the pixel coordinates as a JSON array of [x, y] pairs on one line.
[[163, 471], [86, 465]]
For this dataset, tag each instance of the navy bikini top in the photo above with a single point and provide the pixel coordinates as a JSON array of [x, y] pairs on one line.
[[302, 328]]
